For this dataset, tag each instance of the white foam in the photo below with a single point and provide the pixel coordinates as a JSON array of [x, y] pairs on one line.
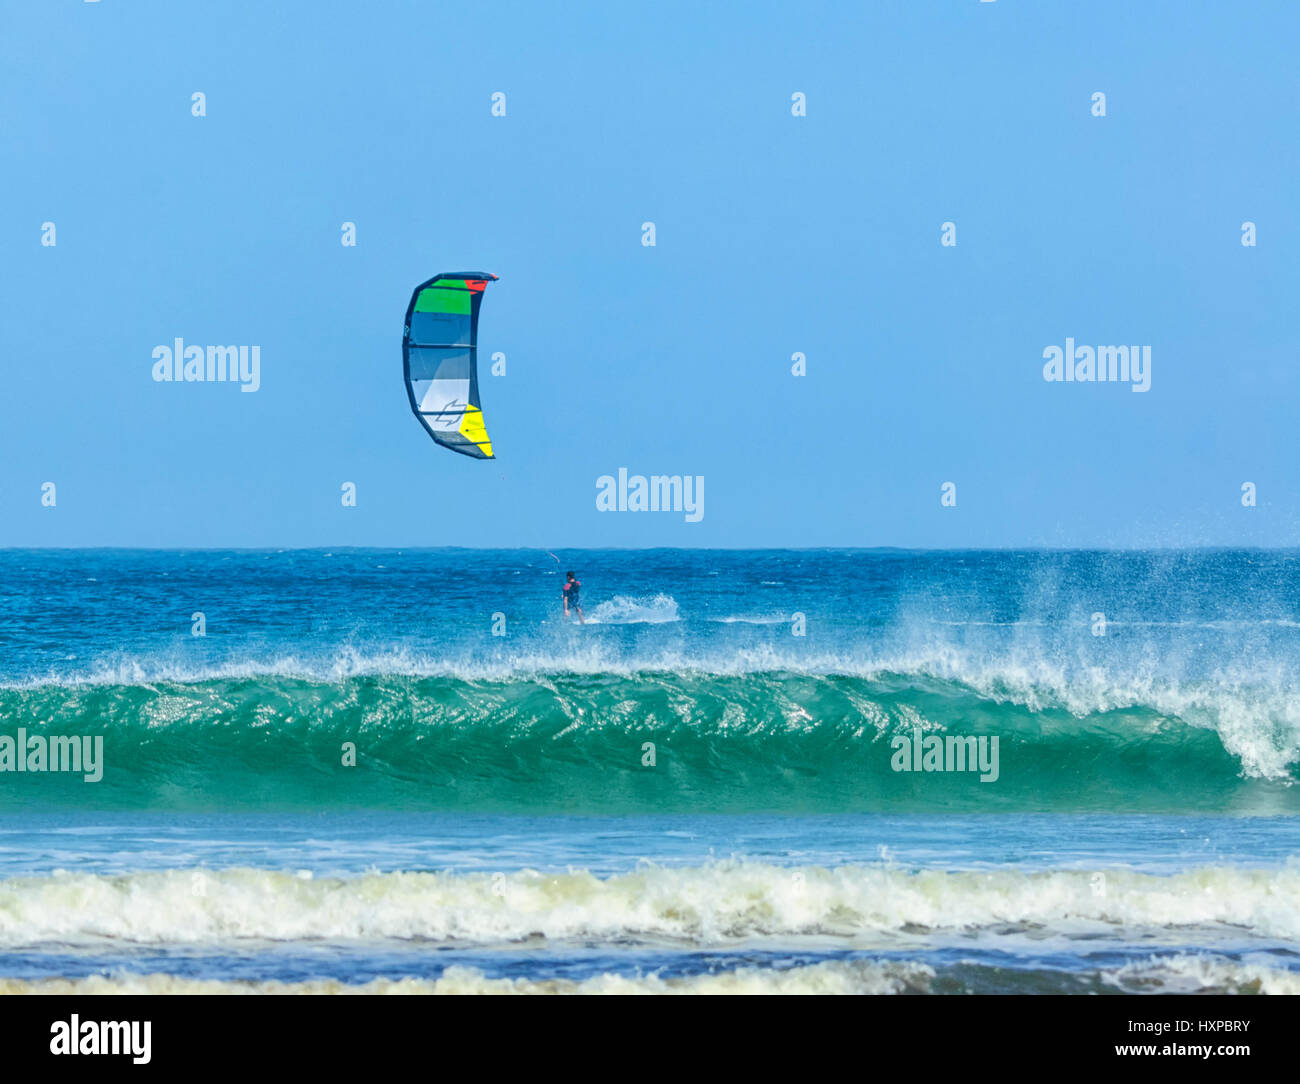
[[623, 610], [721, 903]]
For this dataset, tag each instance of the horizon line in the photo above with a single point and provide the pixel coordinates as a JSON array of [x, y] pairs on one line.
[[651, 549]]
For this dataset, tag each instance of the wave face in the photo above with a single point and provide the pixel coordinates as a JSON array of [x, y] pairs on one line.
[[764, 681], [768, 741]]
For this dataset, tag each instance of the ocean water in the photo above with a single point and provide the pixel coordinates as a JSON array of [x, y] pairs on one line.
[[699, 790]]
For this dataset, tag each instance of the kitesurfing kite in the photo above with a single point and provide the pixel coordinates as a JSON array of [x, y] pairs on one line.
[[440, 359]]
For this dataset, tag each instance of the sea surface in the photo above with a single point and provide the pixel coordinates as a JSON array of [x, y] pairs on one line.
[[386, 771]]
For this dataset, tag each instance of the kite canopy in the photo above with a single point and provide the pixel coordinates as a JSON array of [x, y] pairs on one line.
[[440, 359]]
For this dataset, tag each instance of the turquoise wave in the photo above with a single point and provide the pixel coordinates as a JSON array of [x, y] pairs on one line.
[[653, 741]]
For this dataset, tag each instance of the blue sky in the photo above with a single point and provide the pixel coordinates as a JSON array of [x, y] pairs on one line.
[[775, 234]]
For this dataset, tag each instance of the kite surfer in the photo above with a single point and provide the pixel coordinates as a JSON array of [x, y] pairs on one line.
[[570, 589]]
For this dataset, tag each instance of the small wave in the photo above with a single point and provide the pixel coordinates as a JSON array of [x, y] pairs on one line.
[[834, 977], [715, 905], [1184, 973], [1201, 974]]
